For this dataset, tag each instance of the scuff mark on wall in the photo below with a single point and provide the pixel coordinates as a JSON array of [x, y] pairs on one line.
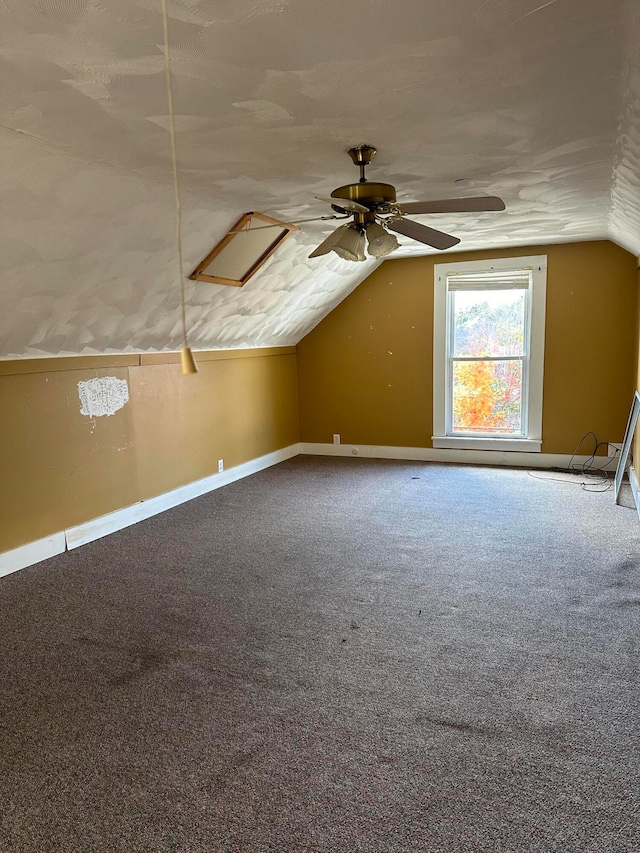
[[102, 396]]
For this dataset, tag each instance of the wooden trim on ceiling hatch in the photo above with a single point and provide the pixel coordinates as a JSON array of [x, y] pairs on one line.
[[241, 225]]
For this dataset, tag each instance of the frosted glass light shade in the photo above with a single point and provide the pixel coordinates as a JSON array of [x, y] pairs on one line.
[[350, 244], [380, 242], [328, 243]]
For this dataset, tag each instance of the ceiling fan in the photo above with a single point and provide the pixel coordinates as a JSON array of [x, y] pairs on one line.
[[376, 213]]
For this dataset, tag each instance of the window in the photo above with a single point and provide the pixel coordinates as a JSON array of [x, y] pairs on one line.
[[488, 354]]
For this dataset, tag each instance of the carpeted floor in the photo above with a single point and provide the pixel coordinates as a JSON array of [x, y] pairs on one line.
[[333, 655]]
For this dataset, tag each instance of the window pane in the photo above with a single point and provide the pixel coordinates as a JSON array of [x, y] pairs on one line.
[[488, 322], [487, 397]]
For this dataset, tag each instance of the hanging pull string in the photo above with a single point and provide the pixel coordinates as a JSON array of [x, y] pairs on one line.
[[176, 186]]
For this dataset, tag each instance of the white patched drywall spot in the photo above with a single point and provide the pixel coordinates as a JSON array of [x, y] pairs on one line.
[[103, 396]]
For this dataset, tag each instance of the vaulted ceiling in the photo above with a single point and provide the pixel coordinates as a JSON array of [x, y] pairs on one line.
[[537, 102]]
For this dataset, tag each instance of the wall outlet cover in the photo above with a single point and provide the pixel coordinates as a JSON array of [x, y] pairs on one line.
[[336, 438], [220, 466]]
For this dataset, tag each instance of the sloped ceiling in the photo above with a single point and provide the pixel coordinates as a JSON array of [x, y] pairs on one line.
[[538, 102]]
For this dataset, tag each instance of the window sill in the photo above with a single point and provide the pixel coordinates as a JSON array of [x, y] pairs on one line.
[[466, 443]]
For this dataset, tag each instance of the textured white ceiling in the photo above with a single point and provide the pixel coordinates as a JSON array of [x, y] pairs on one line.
[[538, 102]]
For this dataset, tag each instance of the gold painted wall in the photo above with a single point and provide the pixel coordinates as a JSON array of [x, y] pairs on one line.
[[59, 468], [366, 370], [635, 447]]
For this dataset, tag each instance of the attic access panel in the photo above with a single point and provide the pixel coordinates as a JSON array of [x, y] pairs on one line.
[[243, 250]]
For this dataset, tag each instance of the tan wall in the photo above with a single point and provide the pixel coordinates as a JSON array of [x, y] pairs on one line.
[[366, 371], [59, 468]]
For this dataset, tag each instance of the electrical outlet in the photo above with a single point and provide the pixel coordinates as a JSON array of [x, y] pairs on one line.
[[336, 438], [613, 448], [220, 466]]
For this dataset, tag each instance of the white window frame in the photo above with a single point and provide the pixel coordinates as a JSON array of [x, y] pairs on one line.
[[531, 439]]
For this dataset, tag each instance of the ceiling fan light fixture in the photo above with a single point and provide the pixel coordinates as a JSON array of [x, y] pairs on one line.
[[380, 241], [349, 244], [366, 201]]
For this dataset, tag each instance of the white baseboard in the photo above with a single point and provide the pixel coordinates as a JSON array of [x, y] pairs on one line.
[[73, 537], [635, 489], [98, 527], [32, 552], [512, 459]]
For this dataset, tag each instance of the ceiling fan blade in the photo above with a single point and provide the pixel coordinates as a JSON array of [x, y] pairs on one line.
[[422, 233], [345, 203], [454, 205]]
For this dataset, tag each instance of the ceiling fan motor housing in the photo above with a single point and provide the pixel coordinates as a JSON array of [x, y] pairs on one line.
[[374, 196]]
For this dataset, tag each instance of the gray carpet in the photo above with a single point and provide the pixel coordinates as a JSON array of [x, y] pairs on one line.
[[334, 655]]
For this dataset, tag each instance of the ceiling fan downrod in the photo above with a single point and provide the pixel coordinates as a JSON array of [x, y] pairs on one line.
[[361, 156]]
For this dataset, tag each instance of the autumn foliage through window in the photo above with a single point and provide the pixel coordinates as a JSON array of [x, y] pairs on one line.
[[487, 353]]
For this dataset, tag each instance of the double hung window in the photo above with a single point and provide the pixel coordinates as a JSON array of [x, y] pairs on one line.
[[488, 354]]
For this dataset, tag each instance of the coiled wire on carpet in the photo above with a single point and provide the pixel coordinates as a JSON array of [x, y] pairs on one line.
[[593, 475]]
